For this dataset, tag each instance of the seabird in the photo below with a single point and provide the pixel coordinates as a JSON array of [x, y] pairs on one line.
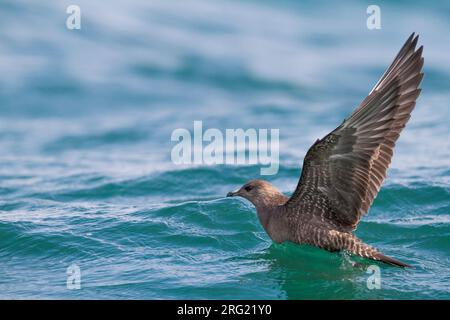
[[343, 172]]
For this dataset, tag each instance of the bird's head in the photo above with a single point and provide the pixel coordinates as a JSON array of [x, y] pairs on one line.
[[260, 193]]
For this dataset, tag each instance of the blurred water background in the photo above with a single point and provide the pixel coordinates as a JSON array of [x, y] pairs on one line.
[[86, 117]]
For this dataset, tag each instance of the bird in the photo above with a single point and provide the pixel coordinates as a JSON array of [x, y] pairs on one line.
[[343, 172]]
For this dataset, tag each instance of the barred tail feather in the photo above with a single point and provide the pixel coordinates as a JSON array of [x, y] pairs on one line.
[[363, 250]]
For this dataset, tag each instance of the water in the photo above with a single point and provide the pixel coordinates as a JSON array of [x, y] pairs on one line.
[[85, 170]]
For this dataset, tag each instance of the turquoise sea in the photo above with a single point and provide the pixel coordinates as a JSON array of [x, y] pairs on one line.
[[86, 117]]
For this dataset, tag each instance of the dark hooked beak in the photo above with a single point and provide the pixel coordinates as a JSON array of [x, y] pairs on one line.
[[231, 194]]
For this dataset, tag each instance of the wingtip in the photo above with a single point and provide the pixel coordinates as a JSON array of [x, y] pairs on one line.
[[414, 41], [420, 53]]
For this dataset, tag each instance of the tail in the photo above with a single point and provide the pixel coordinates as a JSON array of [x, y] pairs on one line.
[[381, 257], [357, 247]]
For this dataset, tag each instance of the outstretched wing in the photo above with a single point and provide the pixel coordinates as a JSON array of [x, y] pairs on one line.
[[343, 172]]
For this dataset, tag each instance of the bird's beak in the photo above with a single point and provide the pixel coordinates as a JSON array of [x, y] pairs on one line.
[[232, 194]]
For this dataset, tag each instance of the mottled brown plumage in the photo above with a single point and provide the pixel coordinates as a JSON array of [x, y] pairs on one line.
[[343, 172]]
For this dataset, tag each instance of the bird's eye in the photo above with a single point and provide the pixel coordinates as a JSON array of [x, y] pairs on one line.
[[248, 188]]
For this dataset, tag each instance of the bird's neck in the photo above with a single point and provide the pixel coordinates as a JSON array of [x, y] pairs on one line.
[[268, 205], [273, 220]]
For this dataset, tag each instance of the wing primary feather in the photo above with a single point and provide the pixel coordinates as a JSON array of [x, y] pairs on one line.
[[343, 172]]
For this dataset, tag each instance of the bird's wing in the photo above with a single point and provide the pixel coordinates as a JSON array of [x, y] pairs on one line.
[[343, 172]]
